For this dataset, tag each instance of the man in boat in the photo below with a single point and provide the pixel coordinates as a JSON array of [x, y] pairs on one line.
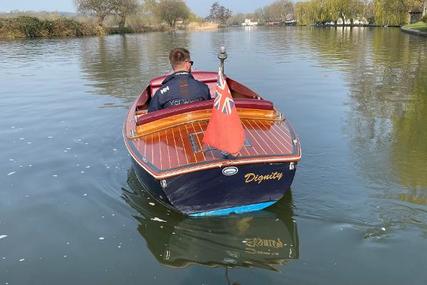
[[180, 87]]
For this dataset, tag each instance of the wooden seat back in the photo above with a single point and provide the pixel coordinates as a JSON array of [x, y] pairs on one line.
[[202, 105]]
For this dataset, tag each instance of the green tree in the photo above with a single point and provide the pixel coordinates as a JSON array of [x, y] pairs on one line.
[[382, 12], [368, 11], [172, 10], [320, 11], [345, 9], [394, 12], [302, 13]]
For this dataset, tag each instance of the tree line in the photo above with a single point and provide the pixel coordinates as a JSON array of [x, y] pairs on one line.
[[97, 17], [113, 16], [168, 11], [379, 12], [320, 12], [278, 11]]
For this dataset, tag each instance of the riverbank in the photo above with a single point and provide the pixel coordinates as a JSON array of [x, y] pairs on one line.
[[419, 29], [201, 26], [33, 27]]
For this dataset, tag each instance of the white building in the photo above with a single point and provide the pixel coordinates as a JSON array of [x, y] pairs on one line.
[[356, 22], [248, 22]]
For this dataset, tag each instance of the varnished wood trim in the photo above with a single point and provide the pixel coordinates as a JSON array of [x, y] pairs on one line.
[[261, 138], [168, 148], [268, 138], [279, 132], [176, 150], [284, 143], [153, 160], [198, 141], [219, 164], [208, 155], [200, 115], [183, 145], [187, 138], [254, 140]]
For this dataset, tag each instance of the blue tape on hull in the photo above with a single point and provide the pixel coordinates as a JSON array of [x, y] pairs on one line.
[[236, 210]]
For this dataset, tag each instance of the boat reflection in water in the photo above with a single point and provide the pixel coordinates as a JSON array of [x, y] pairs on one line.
[[261, 239]]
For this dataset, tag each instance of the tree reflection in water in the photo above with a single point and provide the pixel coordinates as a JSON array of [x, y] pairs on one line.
[[122, 65], [386, 72]]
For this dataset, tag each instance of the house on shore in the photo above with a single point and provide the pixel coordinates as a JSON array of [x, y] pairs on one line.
[[414, 16], [249, 23], [347, 22]]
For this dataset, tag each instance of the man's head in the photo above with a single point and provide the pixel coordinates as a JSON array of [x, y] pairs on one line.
[[180, 59]]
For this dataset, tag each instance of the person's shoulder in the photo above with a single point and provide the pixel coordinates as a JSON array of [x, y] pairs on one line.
[[168, 79], [198, 81], [203, 88]]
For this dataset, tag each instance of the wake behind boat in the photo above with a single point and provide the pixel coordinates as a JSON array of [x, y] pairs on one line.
[[182, 172]]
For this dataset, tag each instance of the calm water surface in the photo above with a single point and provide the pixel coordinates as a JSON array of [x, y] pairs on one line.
[[71, 211]]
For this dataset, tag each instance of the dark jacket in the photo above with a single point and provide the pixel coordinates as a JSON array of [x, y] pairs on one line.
[[179, 88]]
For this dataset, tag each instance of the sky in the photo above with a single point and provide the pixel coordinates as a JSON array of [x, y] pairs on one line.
[[200, 7]]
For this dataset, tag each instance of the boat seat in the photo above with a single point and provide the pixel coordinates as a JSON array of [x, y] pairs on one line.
[[202, 105]]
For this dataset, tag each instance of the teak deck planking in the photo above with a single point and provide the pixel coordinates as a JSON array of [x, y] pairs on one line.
[[171, 148]]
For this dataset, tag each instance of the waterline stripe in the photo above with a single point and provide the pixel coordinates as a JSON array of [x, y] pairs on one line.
[[236, 210]]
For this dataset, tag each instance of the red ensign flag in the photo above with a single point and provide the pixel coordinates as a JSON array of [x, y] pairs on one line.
[[224, 131]]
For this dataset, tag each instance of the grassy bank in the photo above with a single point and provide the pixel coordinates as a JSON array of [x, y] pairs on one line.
[[419, 26], [33, 27]]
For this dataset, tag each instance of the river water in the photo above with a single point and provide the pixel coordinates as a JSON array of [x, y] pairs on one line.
[[71, 211]]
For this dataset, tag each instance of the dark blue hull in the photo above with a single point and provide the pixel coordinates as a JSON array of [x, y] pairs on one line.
[[222, 191]]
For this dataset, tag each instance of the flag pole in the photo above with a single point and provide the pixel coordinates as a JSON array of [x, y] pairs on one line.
[[225, 130], [222, 56]]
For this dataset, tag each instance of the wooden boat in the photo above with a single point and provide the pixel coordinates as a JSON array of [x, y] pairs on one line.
[[170, 159]]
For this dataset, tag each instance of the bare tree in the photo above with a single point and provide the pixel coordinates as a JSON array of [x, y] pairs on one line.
[[99, 8], [219, 13], [124, 8]]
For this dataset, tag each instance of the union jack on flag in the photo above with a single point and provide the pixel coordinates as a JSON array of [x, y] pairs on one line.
[[225, 131], [223, 100]]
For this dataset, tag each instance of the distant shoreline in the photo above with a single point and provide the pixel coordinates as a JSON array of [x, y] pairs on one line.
[[30, 27]]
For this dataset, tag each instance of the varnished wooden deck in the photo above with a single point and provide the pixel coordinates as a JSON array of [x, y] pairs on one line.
[[181, 146]]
